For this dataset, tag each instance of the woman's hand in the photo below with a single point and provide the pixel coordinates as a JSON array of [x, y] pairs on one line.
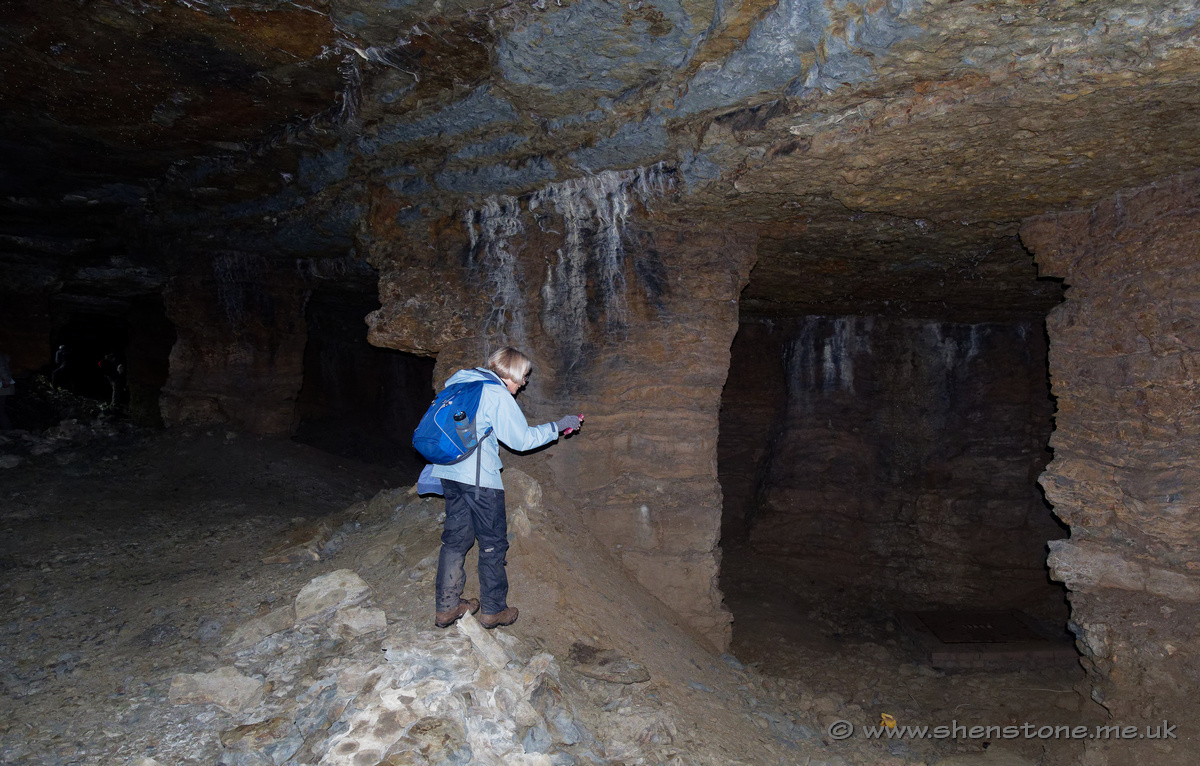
[[568, 424]]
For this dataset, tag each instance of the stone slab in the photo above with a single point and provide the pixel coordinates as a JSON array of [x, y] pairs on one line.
[[1011, 649], [224, 687], [301, 544], [250, 633], [353, 621], [324, 595], [606, 665]]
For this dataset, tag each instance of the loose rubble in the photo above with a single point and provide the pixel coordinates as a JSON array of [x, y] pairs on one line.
[[136, 632]]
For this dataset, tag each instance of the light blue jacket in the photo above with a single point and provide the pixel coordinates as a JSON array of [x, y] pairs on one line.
[[497, 410]]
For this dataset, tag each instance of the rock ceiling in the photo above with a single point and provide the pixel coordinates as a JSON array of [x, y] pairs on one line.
[[888, 149]]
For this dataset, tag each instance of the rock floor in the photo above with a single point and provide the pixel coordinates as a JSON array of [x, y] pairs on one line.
[[830, 654], [140, 625]]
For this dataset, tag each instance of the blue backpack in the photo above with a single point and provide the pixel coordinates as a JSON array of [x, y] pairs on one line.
[[446, 434]]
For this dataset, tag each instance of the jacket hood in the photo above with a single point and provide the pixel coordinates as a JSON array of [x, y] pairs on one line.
[[465, 376]]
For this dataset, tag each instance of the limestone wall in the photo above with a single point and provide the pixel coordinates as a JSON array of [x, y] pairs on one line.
[[642, 350], [1124, 350], [900, 459], [238, 358], [752, 403]]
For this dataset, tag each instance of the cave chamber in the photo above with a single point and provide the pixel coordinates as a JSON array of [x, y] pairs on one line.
[[870, 316], [881, 443]]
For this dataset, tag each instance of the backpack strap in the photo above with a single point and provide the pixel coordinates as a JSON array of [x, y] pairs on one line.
[[479, 460], [478, 465], [491, 378]]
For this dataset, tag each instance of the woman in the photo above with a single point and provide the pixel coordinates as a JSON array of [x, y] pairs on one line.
[[478, 513]]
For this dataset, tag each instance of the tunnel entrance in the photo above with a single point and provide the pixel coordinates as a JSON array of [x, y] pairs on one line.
[[877, 467], [123, 343], [357, 400], [88, 337]]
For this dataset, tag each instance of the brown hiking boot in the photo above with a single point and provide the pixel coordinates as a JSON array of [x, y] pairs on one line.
[[446, 619], [499, 619]]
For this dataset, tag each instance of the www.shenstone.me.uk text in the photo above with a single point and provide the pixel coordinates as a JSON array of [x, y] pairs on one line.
[[845, 730]]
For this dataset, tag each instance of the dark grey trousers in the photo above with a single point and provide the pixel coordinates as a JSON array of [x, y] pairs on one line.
[[470, 518]]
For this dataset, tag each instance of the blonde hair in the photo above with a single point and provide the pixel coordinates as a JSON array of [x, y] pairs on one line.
[[509, 364]]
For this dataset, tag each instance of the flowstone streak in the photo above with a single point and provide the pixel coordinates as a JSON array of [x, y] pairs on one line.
[[498, 221], [595, 212], [633, 326]]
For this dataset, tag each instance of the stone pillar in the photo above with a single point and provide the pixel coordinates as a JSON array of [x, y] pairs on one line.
[[1124, 355], [238, 357], [643, 471], [147, 360], [647, 469]]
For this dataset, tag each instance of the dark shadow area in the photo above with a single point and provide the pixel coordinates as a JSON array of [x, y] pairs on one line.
[[884, 535], [360, 401], [88, 337], [114, 352], [873, 466], [147, 358]]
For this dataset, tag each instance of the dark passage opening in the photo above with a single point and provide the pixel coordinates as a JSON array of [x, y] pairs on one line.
[[873, 467], [110, 342], [88, 338], [357, 400], [884, 536]]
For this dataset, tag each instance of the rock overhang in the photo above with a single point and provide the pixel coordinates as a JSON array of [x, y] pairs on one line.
[[902, 137]]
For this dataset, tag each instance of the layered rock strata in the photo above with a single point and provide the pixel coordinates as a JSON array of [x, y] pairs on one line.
[[1123, 351], [894, 458], [639, 342], [239, 355]]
